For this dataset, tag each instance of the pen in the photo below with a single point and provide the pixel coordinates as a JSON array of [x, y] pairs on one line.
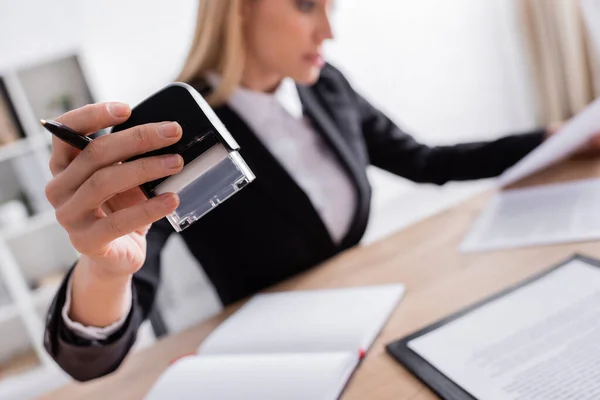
[[66, 134]]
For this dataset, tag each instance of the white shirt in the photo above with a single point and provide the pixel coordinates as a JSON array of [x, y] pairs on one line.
[[278, 121]]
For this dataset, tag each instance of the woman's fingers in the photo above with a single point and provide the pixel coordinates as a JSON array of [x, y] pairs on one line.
[[110, 181], [109, 150], [93, 117], [124, 200], [131, 219], [94, 191], [85, 120]]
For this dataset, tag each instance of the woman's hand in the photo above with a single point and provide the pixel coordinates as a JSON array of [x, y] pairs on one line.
[[96, 196]]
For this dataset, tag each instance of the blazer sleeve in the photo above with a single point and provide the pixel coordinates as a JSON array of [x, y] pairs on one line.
[[85, 359], [391, 148]]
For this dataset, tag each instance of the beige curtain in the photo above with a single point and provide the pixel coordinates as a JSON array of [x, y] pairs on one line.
[[591, 15], [561, 56]]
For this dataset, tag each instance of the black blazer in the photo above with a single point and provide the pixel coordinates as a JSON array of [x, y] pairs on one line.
[[270, 231]]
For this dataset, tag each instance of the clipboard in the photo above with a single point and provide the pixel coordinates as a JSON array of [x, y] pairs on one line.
[[427, 373]]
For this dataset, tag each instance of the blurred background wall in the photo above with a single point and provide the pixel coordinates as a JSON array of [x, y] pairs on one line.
[[447, 71], [456, 67]]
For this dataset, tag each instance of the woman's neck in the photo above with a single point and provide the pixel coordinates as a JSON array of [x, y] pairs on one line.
[[257, 79]]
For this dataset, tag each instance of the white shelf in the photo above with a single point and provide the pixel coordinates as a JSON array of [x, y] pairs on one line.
[[41, 137], [45, 138], [15, 149], [36, 222], [37, 247], [15, 339], [8, 312], [43, 296], [53, 250], [24, 145]]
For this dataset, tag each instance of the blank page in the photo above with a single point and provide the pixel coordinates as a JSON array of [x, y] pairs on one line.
[[540, 215], [265, 377], [346, 320]]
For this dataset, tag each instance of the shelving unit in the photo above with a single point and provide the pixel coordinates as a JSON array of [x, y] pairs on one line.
[[36, 248], [23, 175], [35, 251]]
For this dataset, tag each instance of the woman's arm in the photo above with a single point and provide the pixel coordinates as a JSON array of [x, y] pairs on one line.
[[97, 201], [394, 150], [86, 359]]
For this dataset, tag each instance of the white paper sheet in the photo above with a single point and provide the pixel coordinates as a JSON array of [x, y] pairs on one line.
[[265, 377], [346, 320], [541, 342], [549, 214], [571, 137]]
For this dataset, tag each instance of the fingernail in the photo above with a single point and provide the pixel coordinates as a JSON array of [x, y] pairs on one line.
[[170, 201], [168, 129], [118, 110], [173, 161]]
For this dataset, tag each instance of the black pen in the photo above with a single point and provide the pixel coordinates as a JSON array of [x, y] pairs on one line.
[[66, 134]]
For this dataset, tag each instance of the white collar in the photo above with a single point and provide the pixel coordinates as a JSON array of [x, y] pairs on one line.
[[259, 104]]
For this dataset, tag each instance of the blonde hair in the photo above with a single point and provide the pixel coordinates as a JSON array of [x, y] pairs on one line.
[[217, 46]]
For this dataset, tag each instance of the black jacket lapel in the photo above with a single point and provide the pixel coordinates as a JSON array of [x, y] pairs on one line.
[[315, 110], [282, 190]]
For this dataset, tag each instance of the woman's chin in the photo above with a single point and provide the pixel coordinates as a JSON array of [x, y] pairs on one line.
[[307, 76]]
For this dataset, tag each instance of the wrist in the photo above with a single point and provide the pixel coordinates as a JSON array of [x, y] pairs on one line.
[[101, 273], [98, 299]]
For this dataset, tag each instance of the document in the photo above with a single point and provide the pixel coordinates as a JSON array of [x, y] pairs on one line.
[[541, 215], [570, 138], [539, 342], [548, 214]]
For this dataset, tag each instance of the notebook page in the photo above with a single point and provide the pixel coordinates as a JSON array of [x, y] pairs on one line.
[[329, 320], [266, 377], [539, 342], [571, 137], [540, 215]]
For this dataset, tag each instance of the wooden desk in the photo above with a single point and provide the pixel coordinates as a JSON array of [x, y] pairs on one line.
[[439, 281]]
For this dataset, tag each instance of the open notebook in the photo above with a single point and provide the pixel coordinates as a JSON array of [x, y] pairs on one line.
[[292, 345]]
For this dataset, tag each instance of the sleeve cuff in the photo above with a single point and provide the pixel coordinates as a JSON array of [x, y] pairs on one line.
[[90, 332]]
